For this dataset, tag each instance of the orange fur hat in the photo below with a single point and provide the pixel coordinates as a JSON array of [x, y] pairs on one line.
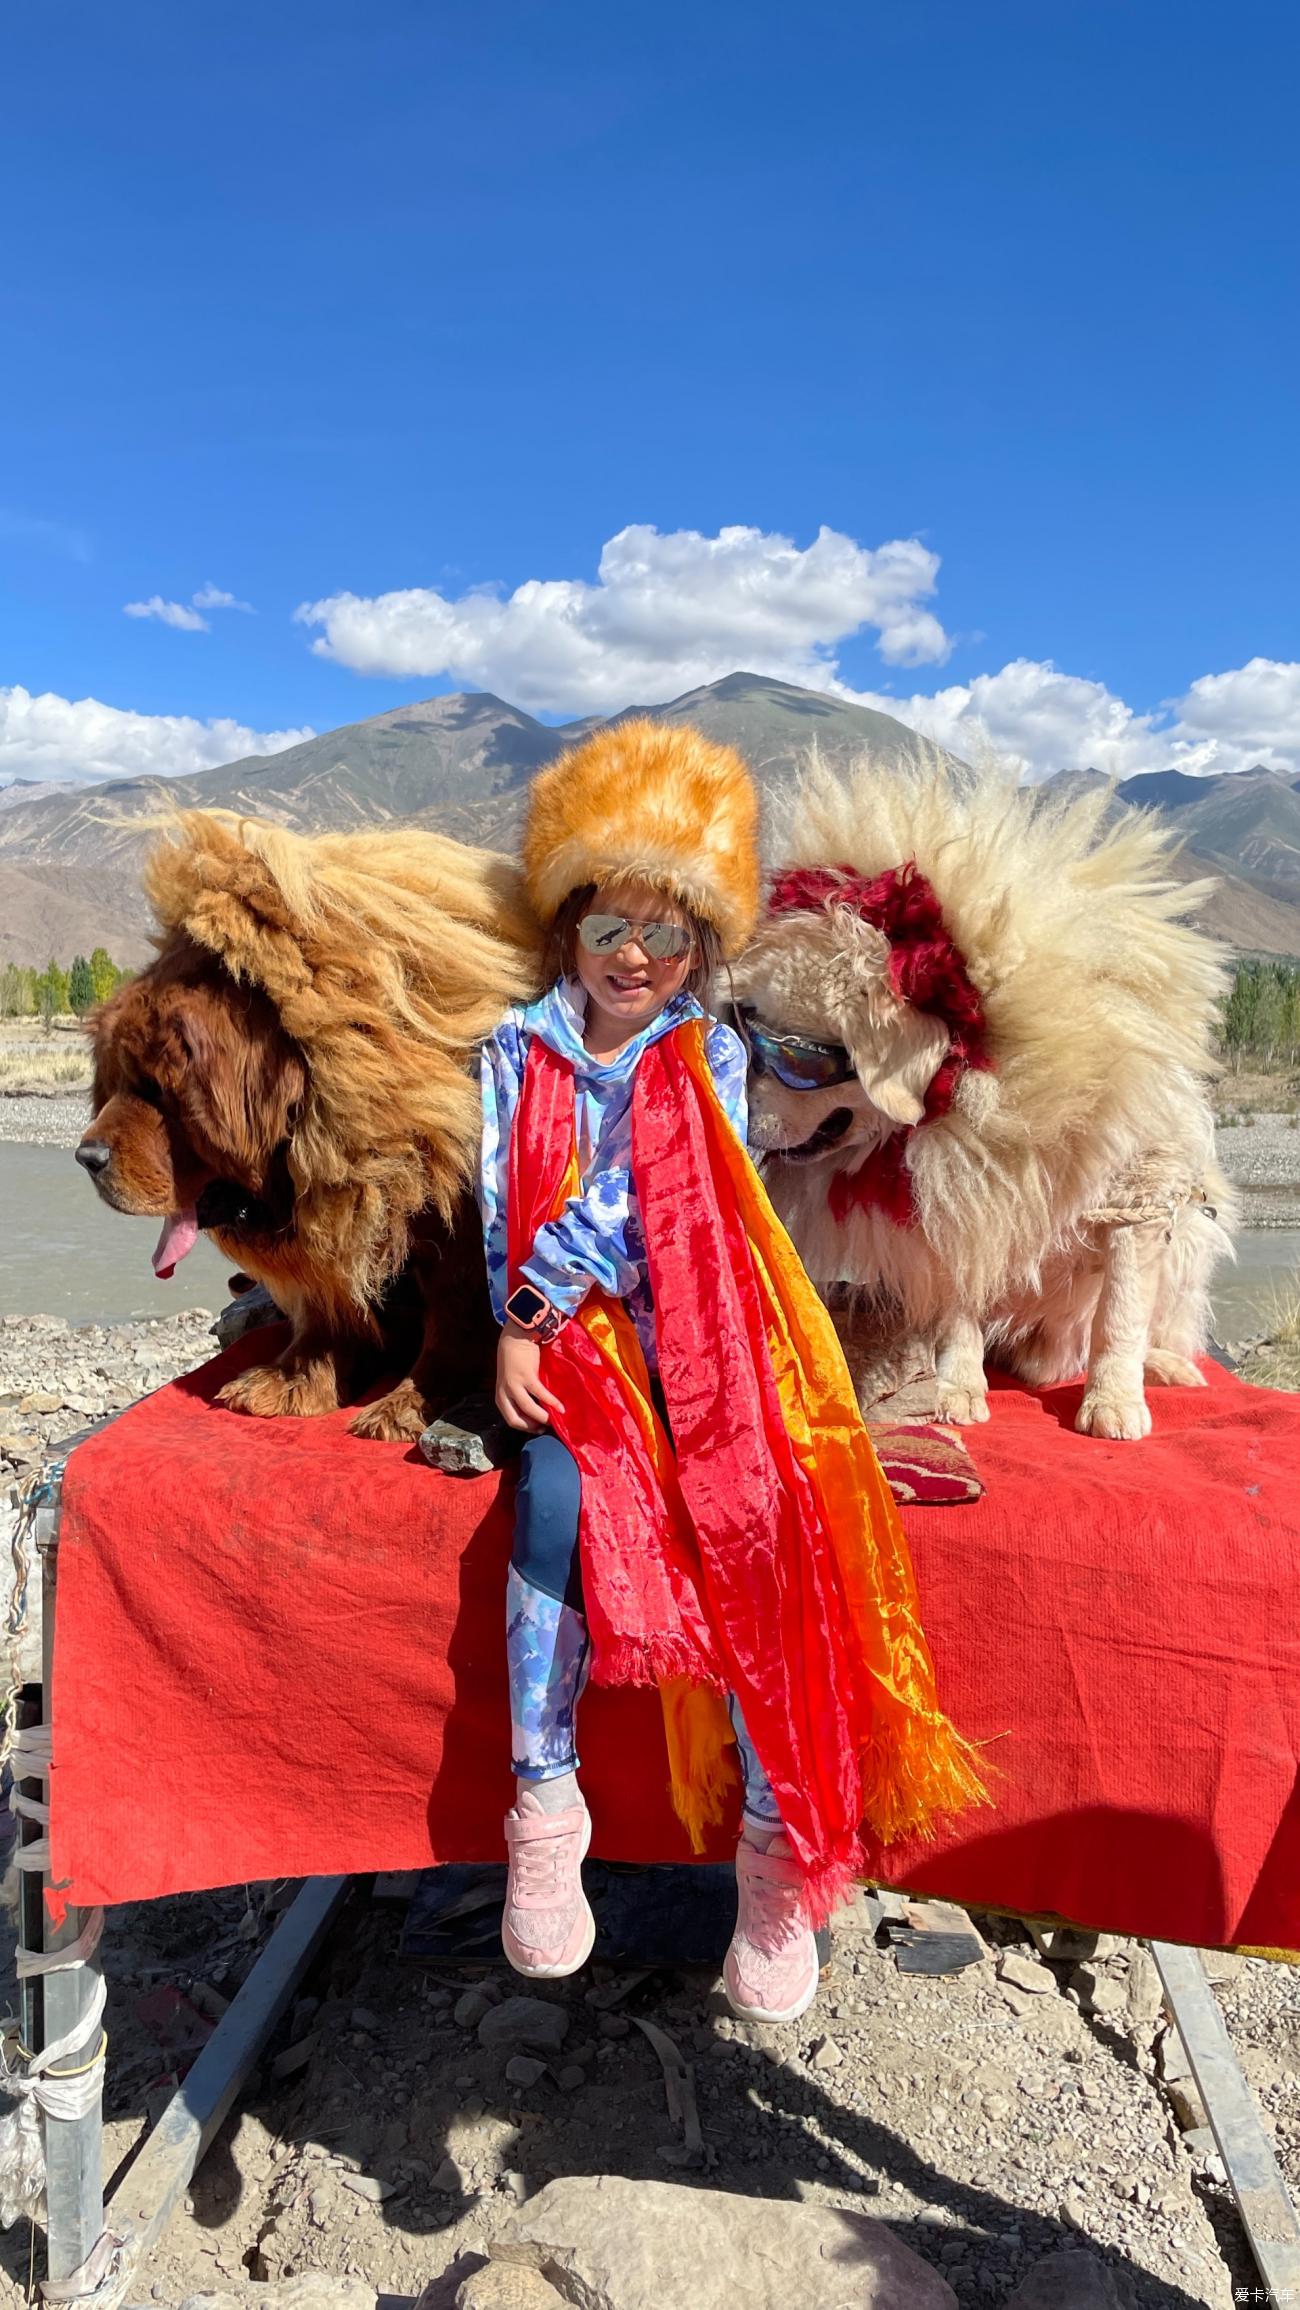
[[652, 802]]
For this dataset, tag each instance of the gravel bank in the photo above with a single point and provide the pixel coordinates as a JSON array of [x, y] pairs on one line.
[[1261, 1156], [42, 1122]]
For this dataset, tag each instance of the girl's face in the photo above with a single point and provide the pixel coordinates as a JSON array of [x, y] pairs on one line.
[[628, 988]]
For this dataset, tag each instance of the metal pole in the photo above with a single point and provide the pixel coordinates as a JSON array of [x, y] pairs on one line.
[[1267, 2214], [74, 2147]]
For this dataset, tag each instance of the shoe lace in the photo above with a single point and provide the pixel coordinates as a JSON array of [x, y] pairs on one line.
[[537, 1868], [775, 1911]]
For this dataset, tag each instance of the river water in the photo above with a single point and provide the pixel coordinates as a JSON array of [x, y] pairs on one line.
[[63, 1253]]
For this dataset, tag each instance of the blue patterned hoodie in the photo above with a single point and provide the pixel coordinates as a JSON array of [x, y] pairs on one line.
[[597, 1239]]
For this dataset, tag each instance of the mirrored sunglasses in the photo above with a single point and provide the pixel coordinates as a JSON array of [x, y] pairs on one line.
[[795, 1060], [606, 933]]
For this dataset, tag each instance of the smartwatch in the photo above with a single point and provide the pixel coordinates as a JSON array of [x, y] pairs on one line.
[[533, 1312]]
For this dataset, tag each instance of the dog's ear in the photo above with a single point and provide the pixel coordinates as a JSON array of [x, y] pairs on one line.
[[896, 1050], [243, 1080]]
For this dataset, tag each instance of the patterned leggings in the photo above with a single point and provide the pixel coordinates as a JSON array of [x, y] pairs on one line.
[[547, 1647]]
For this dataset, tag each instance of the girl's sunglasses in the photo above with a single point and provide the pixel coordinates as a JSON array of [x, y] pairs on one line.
[[795, 1060], [606, 933]]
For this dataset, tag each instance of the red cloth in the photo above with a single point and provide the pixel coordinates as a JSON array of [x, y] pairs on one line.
[[280, 1651]]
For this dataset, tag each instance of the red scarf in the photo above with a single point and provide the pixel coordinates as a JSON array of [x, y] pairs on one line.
[[761, 1553]]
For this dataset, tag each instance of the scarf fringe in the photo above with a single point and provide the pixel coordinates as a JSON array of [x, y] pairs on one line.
[[657, 1660], [914, 1771]]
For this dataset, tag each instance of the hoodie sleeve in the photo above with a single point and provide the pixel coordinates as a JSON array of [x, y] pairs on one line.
[[586, 1244], [501, 1073], [729, 1061]]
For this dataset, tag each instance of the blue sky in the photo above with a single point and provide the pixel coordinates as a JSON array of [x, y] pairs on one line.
[[414, 299]]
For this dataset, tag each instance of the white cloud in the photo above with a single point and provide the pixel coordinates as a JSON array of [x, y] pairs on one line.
[[667, 613], [210, 597], [1046, 720], [185, 616], [168, 614], [71, 739]]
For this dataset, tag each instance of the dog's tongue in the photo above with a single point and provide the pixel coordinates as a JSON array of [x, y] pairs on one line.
[[180, 1234]]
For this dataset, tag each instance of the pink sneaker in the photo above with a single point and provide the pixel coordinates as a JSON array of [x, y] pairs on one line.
[[547, 1928], [771, 1968]]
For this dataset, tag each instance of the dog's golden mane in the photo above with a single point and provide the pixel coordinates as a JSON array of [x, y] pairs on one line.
[[1100, 1001], [387, 956]]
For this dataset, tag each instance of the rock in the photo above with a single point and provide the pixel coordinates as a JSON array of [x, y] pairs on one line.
[[506, 2286], [1186, 2104], [525, 2021], [614, 2025], [1145, 1995], [571, 2077], [1072, 2280], [451, 2179], [1068, 1945], [1221, 1965], [1025, 1972], [366, 2021], [39, 1401], [469, 2009], [826, 2055], [525, 2069], [310, 2290], [1098, 1991], [615, 2244]]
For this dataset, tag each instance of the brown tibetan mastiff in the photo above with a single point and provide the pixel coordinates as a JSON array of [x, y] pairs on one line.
[[294, 1076]]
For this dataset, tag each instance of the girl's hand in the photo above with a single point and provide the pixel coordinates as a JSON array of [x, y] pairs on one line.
[[521, 1398]]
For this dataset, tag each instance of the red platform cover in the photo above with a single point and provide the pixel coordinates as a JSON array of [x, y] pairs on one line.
[[280, 1652]]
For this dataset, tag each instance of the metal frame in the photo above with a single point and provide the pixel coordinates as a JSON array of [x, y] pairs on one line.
[[94, 2252]]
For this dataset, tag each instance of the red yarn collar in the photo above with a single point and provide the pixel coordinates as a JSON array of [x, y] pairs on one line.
[[926, 969]]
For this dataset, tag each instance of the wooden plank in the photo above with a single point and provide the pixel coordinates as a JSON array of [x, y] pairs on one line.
[[146, 2198], [1267, 2213]]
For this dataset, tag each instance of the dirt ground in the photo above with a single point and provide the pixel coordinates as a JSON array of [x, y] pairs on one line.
[[988, 2122]]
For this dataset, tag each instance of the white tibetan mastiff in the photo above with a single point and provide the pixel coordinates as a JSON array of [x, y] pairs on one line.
[[981, 1036]]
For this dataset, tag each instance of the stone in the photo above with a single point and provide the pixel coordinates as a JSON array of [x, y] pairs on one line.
[[1186, 2104], [1221, 1965], [826, 2055], [469, 2009], [615, 2244], [40, 1402], [1072, 2280], [365, 2020], [506, 2286], [310, 2290], [525, 2021], [1024, 1972], [1144, 1997], [451, 2179], [1098, 1991], [571, 2077], [1069, 1945], [525, 2069]]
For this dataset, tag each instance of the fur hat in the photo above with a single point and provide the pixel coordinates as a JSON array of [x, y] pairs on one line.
[[652, 802]]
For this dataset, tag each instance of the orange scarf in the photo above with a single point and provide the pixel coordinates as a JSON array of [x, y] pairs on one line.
[[761, 1551]]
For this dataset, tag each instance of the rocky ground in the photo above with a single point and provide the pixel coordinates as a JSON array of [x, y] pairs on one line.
[[1260, 1153], [989, 2117], [39, 1120]]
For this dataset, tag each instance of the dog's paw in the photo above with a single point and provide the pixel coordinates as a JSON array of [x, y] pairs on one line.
[[267, 1393], [1123, 1417], [1163, 1369], [962, 1407], [400, 1417]]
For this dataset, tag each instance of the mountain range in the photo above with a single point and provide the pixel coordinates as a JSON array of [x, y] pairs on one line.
[[461, 765]]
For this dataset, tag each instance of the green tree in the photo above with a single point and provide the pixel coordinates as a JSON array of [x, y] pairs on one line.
[[11, 992], [51, 991], [104, 974], [81, 986]]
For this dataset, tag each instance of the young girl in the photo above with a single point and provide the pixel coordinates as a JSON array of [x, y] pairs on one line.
[[698, 1506]]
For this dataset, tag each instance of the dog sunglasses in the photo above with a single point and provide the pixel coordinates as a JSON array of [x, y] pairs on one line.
[[795, 1060], [606, 933]]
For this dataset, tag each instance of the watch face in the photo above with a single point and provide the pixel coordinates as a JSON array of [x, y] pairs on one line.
[[525, 1305]]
